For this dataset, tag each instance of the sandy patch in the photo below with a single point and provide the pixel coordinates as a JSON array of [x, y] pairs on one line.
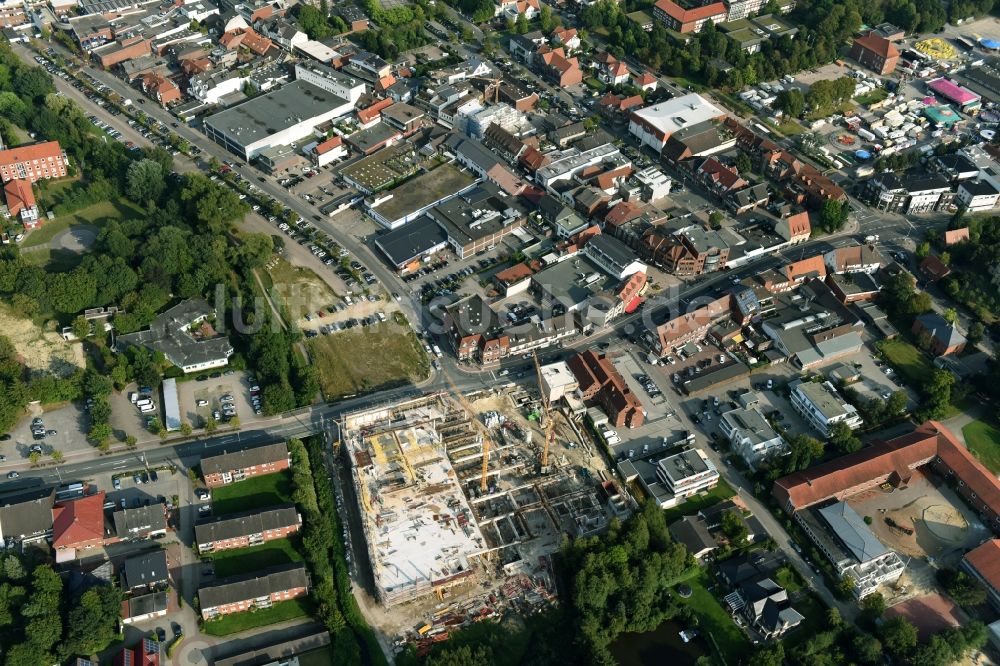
[[40, 351]]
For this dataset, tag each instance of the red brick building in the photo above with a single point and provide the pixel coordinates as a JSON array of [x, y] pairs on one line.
[[34, 162], [235, 466], [249, 529], [78, 524], [876, 53], [122, 50], [261, 590], [160, 88], [893, 462], [600, 381], [675, 17]]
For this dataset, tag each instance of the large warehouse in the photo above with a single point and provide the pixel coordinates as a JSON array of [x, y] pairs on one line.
[[653, 125], [278, 118]]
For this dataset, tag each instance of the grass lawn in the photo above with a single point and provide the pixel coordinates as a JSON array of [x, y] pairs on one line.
[[788, 579], [96, 215], [721, 492], [787, 127], [713, 620], [363, 360], [815, 621], [909, 361], [984, 442], [279, 612], [241, 561], [299, 289], [254, 493], [874, 96]]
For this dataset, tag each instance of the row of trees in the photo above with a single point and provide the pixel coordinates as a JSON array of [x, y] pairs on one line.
[[353, 640]]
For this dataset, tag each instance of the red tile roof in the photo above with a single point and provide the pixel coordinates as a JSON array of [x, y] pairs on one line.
[[681, 15], [930, 440], [372, 112], [78, 522], [956, 236], [19, 196], [986, 560], [800, 269], [798, 224], [35, 151], [878, 45], [328, 145]]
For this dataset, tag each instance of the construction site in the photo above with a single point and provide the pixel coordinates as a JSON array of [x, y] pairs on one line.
[[464, 499]]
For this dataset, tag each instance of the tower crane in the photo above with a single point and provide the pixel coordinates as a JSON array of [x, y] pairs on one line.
[[495, 82], [549, 422]]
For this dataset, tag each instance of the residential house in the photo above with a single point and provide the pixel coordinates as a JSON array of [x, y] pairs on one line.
[[26, 514], [822, 406], [942, 338], [254, 592], [616, 107], [78, 524], [645, 81], [512, 9], [566, 38], [146, 653], [719, 178], [909, 194], [876, 53], [693, 533], [859, 258], [610, 70], [146, 572], [694, 250], [328, 151], [143, 607], [503, 143], [766, 607], [161, 89], [142, 522], [794, 228], [235, 466], [21, 202], [560, 70], [247, 529], [750, 435], [745, 199], [955, 236], [934, 268]]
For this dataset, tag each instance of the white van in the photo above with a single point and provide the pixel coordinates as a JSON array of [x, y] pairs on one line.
[[145, 409], [143, 402]]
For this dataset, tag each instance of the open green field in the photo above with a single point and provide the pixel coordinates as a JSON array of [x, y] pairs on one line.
[[254, 493], [363, 360], [237, 622], [909, 361], [715, 623], [720, 493], [874, 96], [240, 561], [984, 442], [42, 246]]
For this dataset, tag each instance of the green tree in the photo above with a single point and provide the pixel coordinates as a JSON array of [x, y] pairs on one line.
[[843, 440], [186, 429], [768, 655], [833, 215], [923, 250], [950, 315], [81, 327], [12, 568], [867, 648], [833, 617], [131, 441], [145, 181], [743, 164], [92, 623], [897, 403], [34, 457], [791, 102], [521, 24], [100, 433], [874, 605], [734, 527], [976, 332], [898, 636], [211, 425], [546, 20], [56, 455]]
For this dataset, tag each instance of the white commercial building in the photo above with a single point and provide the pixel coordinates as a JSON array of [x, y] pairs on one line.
[[613, 256], [330, 80], [568, 163], [687, 473], [501, 114], [821, 405], [654, 183], [750, 435], [653, 125], [211, 87], [558, 380], [977, 196], [279, 118]]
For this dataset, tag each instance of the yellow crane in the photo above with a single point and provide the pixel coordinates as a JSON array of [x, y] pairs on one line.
[[483, 431], [549, 423]]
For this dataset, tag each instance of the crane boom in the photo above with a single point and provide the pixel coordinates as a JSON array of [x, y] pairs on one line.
[[549, 424]]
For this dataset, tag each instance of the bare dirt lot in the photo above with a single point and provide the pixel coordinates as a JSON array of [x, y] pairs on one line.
[[929, 613], [40, 351], [943, 526], [300, 290]]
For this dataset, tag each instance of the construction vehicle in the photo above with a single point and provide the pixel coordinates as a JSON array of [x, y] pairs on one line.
[[549, 421]]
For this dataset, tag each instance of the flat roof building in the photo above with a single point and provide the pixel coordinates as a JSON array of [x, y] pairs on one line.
[[751, 436], [183, 336], [822, 407], [653, 125], [280, 117]]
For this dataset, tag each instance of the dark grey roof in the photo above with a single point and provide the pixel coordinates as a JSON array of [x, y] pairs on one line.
[[147, 569], [741, 568], [620, 253], [472, 150], [274, 654], [411, 240], [26, 512], [228, 461], [483, 210], [940, 329], [261, 584], [693, 533], [273, 112], [140, 520], [169, 334], [147, 603], [956, 163], [978, 188], [921, 182], [245, 524]]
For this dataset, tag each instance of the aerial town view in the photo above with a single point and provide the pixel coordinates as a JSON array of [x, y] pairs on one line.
[[499, 332]]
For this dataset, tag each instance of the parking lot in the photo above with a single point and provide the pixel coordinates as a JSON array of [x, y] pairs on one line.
[[221, 398], [64, 428]]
